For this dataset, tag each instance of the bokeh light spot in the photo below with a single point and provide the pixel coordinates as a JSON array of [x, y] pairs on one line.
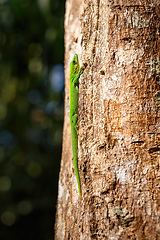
[[24, 207], [5, 183], [9, 91], [34, 169], [51, 34], [35, 65], [8, 218], [57, 77]]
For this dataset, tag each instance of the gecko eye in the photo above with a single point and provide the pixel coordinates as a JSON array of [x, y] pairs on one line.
[[74, 62]]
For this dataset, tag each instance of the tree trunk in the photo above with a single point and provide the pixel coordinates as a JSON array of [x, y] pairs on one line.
[[119, 122]]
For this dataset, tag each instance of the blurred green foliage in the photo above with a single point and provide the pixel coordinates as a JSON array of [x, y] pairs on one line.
[[31, 116]]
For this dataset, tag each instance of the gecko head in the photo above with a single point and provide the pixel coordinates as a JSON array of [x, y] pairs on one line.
[[74, 65]]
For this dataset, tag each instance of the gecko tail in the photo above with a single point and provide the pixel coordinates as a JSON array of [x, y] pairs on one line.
[[80, 194]]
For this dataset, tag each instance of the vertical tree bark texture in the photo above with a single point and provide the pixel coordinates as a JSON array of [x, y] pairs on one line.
[[119, 122]]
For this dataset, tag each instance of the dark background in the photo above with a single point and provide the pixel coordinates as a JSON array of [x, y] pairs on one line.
[[31, 116]]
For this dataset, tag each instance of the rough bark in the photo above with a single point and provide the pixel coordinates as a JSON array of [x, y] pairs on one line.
[[119, 122]]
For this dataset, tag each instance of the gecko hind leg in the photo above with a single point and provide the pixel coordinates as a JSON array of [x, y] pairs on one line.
[[75, 122]]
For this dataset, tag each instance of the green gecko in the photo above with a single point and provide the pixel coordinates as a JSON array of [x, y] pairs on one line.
[[75, 72]]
